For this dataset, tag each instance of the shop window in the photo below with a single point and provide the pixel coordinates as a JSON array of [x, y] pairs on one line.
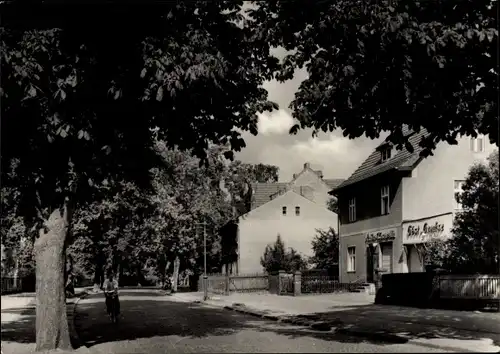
[[386, 253], [351, 259]]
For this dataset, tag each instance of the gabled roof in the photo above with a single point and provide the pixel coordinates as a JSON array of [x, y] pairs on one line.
[[333, 182], [261, 192], [403, 160], [282, 196]]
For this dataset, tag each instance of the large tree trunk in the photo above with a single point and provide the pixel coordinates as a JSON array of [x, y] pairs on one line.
[[51, 320], [165, 271], [119, 273], [175, 276], [97, 276]]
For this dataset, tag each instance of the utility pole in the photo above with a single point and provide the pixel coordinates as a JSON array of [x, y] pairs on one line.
[[205, 277]]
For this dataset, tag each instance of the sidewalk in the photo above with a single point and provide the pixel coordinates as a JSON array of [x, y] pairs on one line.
[[18, 315], [356, 314]]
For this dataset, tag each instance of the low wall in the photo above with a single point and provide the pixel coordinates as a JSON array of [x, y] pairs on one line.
[[428, 289]]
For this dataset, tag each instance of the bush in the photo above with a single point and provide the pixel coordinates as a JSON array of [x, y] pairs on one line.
[[276, 258]]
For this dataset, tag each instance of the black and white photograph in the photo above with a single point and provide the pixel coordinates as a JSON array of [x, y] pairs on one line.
[[280, 176]]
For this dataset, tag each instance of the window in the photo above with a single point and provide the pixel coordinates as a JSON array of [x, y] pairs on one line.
[[352, 209], [458, 189], [297, 210], [385, 154], [351, 259], [284, 210], [384, 203], [477, 144]]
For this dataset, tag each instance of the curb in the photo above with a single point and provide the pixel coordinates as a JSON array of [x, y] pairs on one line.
[[74, 337]]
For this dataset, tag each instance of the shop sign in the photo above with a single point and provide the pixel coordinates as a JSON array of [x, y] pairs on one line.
[[419, 232], [386, 235]]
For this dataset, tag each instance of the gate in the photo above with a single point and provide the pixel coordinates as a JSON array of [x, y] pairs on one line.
[[286, 284]]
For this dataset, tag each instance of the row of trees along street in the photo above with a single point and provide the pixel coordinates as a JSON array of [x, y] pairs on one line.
[[98, 115]]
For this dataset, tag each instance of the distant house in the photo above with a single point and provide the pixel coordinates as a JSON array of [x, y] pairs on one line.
[[396, 200], [294, 210]]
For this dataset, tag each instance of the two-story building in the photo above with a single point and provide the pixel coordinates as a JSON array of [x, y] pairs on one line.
[[396, 200], [294, 210]]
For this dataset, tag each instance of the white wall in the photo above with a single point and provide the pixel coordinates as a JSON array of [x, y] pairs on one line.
[[430, 190], [261, 226]]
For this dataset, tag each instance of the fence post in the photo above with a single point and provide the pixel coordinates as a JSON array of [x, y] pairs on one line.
[[281, 274], [226, 283], [297, 283]]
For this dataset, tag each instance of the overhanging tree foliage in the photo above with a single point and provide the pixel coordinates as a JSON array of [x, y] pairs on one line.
[[80, 98], [374, 65]]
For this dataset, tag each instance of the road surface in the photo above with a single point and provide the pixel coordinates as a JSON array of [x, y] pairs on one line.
[[153, 323]]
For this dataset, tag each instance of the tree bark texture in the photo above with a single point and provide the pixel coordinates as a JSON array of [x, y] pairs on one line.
[[175, 280], [98, 273], [51, 320]]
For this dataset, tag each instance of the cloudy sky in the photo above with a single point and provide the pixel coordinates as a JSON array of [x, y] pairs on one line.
[[335, 155]]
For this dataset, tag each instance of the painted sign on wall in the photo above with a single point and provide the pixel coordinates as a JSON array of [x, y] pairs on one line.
[[386, 235], [425, 229]]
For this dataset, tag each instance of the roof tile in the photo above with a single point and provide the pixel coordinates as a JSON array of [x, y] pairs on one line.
[[372, 166], [262, 192]]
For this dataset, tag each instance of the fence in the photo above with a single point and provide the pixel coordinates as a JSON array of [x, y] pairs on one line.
[[430, 289], [471, 287], [324, 284], [16, 285], [11, 285], [237, 283], [280, 283]]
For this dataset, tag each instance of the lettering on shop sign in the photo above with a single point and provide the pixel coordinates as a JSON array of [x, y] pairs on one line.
[[381, 236], [431, 230]]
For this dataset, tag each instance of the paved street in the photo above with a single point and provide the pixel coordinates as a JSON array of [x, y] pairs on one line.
[[155, 324]]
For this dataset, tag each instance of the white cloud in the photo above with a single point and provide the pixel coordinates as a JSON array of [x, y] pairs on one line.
[[276, 122], [332, 146], [332, 153]]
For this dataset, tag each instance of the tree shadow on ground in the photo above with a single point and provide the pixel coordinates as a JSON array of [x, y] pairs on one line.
[[22, 329], [164, 318], [412, 323], [148, 315]]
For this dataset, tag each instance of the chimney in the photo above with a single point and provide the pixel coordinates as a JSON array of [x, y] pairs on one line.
[[307, 192], [307, 165], [294, 175]]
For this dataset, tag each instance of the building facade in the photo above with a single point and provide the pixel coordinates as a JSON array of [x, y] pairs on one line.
[[396, 201], [294, 210]]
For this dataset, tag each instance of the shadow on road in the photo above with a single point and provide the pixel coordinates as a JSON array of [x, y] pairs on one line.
[[159, 317], [22, 330], [148, 314], [413, 323]]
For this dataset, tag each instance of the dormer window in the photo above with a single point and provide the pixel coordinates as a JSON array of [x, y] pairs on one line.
[[385, 154]]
